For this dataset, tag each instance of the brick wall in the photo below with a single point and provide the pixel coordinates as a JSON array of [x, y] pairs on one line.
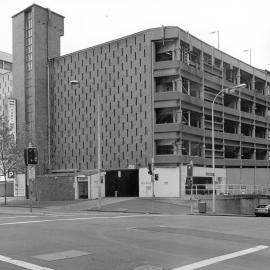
[[10, 189], [55, 188]]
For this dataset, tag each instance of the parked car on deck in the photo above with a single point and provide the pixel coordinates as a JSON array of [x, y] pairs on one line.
[[262, 210]]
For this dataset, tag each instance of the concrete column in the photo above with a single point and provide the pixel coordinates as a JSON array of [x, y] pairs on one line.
[[178, 85], [188, 87], [239, 128], [201, 61], [254, 154], [239, 103], [203, 150], [239, 154], [179, 116], [253, 131], [265, 88], [238, 76], [253, 83]]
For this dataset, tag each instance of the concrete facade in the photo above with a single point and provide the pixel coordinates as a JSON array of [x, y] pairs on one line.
[[36, 39], [119, 73]]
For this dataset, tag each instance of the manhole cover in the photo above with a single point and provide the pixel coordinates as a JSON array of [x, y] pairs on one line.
[[147, 267]]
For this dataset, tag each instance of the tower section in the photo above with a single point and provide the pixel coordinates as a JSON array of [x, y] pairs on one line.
[[36, 39]]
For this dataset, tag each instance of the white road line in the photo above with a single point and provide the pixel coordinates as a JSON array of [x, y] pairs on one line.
[[80, 218], [73, 214], [220, 258], [23, 264], [49, 215], [18, 217]]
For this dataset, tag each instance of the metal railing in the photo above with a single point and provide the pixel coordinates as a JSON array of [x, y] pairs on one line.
[[229, 189]]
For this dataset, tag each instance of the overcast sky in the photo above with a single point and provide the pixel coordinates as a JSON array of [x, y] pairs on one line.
[[242, 24]]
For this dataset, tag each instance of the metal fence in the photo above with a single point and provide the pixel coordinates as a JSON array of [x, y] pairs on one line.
[[229, 189]]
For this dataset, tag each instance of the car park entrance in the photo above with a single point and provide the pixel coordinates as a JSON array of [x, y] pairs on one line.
[[122, 183]]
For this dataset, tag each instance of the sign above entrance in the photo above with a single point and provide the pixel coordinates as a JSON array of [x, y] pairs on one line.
[[209, 174]]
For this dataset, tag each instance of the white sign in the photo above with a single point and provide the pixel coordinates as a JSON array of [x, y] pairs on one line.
[[31, 173], [11, 174], [12, 116]]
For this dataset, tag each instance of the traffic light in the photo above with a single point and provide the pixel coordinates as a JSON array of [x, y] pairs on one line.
[[189, 182], [150, 168], [189, 170], [31, 156], [156, 177]]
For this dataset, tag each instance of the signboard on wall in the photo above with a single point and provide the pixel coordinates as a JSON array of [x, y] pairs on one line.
[[12, 117]]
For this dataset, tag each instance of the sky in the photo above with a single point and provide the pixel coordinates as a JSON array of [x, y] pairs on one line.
[[242, 24]]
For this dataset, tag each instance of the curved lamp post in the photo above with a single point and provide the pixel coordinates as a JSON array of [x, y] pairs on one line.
[[226, 90], [216, 32], [75, 82]]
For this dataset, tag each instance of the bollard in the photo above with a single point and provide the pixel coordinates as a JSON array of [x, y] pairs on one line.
[[115, 193]]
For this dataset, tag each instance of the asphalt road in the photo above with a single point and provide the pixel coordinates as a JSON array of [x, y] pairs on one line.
[[101, 241]]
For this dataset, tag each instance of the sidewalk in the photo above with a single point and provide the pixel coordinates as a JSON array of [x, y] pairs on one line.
[[172, 206], [127, 205]]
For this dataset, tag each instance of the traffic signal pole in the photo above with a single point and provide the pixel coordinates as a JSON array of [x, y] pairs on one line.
[[31, 159], [190, 174], [153, 178], [191, 196]]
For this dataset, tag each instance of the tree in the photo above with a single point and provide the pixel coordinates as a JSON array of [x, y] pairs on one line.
[[11, 155]]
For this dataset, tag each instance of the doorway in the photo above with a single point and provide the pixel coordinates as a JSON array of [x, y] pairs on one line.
[[83, 189]]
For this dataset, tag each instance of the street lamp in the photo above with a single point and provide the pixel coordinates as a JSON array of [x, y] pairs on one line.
[[75, 82], [216, 32], [249, 50], [99, 155], [227, 90]]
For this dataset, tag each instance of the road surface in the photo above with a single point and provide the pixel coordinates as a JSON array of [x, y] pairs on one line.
[[101, 241]]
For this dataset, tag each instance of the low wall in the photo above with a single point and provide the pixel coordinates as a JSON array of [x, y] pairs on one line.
[[242, 205], [10, 189], [54, 187]]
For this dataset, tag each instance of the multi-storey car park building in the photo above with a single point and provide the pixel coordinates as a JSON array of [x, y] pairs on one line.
[[156, 88]]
